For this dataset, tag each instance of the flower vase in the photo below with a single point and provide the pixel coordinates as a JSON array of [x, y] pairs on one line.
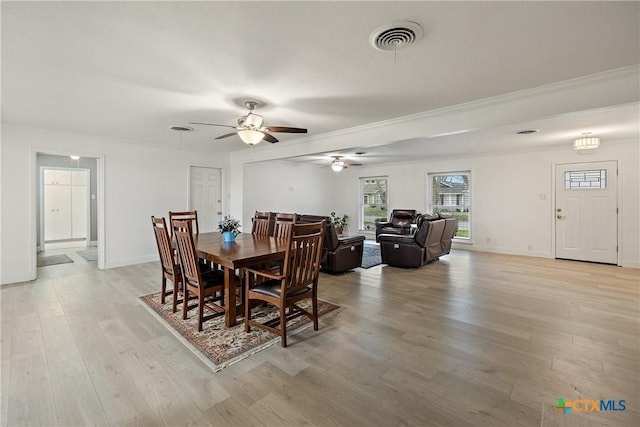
[[228, 236]]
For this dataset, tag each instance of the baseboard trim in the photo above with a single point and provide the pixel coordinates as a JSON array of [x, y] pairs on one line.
[[534, 254], [130, 261]]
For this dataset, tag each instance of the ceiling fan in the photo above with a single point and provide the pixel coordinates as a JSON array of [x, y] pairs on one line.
[[338, 164], [251, 127]]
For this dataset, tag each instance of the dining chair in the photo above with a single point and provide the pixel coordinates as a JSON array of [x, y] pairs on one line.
[[191, 216], [170, 267], [263, 223], [298, 281], [283, 224], [207, 286]]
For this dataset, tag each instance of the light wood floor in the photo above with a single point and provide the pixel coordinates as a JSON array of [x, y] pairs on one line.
[[474, 339]]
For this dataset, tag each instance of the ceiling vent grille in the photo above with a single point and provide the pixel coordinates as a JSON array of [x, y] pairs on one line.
[[395, 36]]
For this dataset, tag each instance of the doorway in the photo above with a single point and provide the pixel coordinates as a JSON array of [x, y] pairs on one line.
[[66, 214], [586, 213], [205, 189]]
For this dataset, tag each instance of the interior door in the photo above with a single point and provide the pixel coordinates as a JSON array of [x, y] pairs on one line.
[[587, 212], [79, 205], [205, 196], [57, 212]]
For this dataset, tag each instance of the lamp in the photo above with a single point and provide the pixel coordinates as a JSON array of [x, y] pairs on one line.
[[250, 136], [586, 142], [337, 165]]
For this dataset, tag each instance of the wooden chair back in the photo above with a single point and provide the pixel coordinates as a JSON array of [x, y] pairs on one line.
[[283, 224], [167, 260], [191, 216], [302, 261], [263, 223], [187, 252]]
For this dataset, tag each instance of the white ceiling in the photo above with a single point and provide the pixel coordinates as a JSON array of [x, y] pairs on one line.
[[130, 70]]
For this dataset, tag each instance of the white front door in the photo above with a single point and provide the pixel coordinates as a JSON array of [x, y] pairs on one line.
[[205, 197], [587, 212]]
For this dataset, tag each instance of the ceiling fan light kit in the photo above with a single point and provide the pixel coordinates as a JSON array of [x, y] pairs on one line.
[[250, 137], [337, 164]]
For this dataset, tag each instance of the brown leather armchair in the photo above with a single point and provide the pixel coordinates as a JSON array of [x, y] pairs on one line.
[[399, 223], [431, 240], [339, 253]]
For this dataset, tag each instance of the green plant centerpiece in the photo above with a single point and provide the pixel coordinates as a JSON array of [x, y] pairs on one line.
[[229, 227], [340, 223]]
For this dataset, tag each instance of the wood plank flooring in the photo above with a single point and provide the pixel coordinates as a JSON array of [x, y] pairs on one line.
[[474, 339]]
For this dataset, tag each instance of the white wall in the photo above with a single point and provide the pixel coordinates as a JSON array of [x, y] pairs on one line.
[[139, 181], [512, 195], [282, 186]]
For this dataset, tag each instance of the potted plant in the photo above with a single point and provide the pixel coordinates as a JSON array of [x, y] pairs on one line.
[[229, 228], [340, 223]]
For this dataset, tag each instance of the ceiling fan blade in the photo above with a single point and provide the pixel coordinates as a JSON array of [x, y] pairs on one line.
[[285, 129], [211, 124], [346, 165], [226, 135], [270, 138]]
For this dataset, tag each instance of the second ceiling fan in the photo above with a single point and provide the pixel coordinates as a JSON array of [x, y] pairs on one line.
[[251, 128], [337, 164]]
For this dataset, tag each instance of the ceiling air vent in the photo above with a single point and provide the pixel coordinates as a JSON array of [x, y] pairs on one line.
[[395, 36]]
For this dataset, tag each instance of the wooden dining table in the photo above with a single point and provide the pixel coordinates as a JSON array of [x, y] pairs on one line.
[[247, 250]]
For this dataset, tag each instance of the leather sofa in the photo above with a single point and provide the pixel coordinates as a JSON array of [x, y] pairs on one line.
[[339, 253], [399, 223], [431, 240]]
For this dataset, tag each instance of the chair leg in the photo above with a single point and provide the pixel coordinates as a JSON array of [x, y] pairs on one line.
[[314, 303], [200, 310], [283, 326], [164, 289], [247, 316], [175, 295], [185, 302]]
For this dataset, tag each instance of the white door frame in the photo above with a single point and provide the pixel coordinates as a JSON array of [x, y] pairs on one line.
[[41, 201], [100, 202], [552, 212]]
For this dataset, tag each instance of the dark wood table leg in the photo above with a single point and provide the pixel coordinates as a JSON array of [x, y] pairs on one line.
[[230, 282]]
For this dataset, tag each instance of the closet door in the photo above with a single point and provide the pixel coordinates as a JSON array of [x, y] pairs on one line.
[[57, 212], [79, 180]]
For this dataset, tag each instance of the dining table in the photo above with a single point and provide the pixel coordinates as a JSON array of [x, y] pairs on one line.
[[245, 251]]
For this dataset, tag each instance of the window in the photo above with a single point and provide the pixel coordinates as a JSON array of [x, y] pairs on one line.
[[585, 179], [373, 201], [449, 193]]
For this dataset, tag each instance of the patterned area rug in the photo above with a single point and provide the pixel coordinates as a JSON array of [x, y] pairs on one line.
[[44, 261], [371, 255], [89, 254], [220, 346]]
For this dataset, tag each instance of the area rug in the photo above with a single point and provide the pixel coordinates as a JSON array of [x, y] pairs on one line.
[[89, 254], [220, 346], [371, 255], [44, 261]]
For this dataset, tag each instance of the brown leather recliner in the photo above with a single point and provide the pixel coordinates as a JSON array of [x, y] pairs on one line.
[[430, 242], [339, 254], [399, 223]]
